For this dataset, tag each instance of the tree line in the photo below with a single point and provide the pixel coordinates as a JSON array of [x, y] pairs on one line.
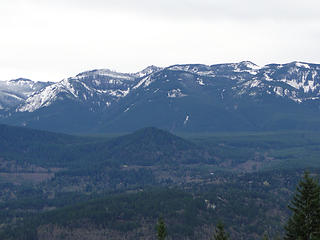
[[303, 224]]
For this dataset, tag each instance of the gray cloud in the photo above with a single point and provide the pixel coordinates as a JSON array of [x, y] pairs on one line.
[[206, 9], [45, 39]]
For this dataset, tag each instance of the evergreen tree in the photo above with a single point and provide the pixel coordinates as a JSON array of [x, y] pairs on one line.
[[265, 237], [162, 230], [220, 234], [304, 224]]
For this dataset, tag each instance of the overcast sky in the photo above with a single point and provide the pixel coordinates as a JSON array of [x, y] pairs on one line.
[[48, 40]]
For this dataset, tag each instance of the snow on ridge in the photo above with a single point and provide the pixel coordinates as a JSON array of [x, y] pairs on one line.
[[46, 96], [118, 75], [145, 81], [306, 85], [246, 66], [215, 70], [41, 99], [20, 84], [69, 86], [20, 80], [255, 83], [147, 71], [302, 65], [105, 73], [86, 87], [178, 68], [189, 67], [300, 76], [66, 84], [13, 96], [292, 65], [18, 90], [267, 77], [207, 73], [249, 65], [118, 93]]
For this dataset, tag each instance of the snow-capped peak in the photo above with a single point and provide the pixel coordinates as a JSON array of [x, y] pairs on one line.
[[47, 95], [104, 87], [249, 65], [20, 80], [22, 86], [104, 73], [118, 75], [16, 91], [148, 70], [302, 65]]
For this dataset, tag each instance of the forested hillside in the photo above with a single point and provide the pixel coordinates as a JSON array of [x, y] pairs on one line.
[[55, 185]]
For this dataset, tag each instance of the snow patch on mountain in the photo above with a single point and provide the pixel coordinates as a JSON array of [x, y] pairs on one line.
[[302, 65], [91, 87], [47, 95], [250, 65], [145, 82], [200, 82], [97, 73], [118, 93], [16, 91], [254, 83], [104, 73], [176, 93], [147, 71], [21, 86], [186, 120], [306, 85], [13, 96], [278, 91], [185, 68], [267, 77], [296, 81]]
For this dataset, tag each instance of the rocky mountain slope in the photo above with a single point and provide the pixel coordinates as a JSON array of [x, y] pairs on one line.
[[15, 92], [181, 98]]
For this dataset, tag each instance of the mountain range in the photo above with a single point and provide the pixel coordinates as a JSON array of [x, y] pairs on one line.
[[179, 98]]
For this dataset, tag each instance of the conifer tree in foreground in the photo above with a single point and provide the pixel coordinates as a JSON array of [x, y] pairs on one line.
[[220, 234], [304, 224], [162, 230], [265, 237]]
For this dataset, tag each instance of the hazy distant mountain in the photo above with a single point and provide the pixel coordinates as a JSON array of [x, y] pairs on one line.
[[182, 98]]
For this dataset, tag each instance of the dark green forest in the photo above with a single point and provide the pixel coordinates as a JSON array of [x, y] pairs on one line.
[[54, 185]]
